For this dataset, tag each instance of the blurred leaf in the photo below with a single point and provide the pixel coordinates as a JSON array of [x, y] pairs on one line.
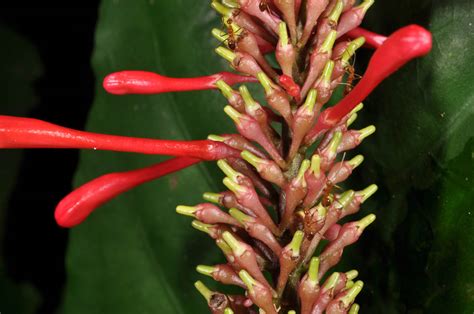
[[135, 255], [19, 68], [421, 250]]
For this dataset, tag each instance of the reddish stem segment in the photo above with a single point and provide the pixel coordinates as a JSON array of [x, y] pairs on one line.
[[75, 207], [31, 133], [141, 82], [405, 44], [373, 40]]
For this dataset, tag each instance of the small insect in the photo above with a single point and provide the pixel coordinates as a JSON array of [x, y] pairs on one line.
[[350, 79], [352, 76], [231, 35], [263, 6], [310, 225], [332, 25], [328, 198]]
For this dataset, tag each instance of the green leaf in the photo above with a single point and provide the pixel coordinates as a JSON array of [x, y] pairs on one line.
[[135, 255], [419, 255]]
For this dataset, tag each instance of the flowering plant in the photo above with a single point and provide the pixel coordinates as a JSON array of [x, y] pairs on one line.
[[214, 150]]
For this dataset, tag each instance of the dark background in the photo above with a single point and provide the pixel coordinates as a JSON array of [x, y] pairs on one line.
[[33, 245]]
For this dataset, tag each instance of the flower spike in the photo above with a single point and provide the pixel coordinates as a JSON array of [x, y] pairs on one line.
[[281, 206], [402, 46]]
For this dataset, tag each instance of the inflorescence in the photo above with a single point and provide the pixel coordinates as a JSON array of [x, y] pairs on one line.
[[281, 169]]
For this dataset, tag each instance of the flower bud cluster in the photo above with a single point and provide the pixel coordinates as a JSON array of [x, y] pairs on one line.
[[283, 199]]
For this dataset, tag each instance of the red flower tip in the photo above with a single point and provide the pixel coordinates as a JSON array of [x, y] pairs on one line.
[[79, 204], [402, 46], [417, 41], [142, 82]]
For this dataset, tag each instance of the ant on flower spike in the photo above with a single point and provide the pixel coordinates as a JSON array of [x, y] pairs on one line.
[[350, 79], [231, 34], [310, 224], [351, 76], [328, 198], [263, 6]]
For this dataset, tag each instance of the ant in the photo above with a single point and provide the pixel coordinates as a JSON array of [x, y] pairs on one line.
[[231, 39], [328, 198], [310, 226], [350, 78], [263, 6], [232, 36]]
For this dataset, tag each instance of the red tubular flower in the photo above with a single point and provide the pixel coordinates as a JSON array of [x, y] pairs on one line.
[[372, 39], [76, 206], [402, 46], [141, 82], [31, 133]]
